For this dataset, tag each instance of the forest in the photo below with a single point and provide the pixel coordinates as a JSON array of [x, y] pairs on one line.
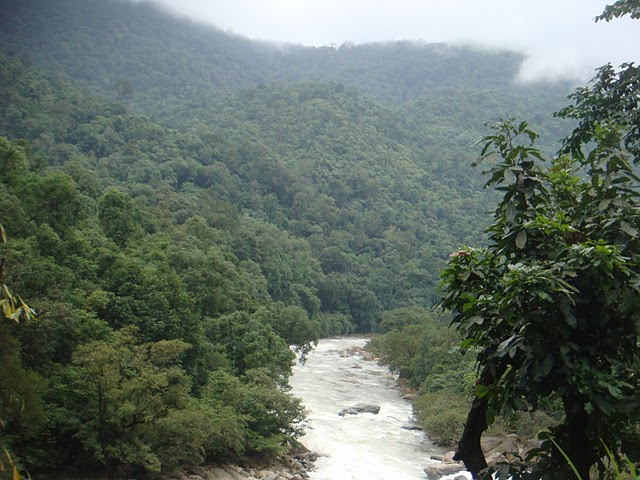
[[185, 212]]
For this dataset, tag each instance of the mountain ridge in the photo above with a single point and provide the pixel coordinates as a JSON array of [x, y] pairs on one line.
[[173, 56]]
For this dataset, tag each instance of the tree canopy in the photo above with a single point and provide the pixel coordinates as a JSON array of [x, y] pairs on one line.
[[551, 306]]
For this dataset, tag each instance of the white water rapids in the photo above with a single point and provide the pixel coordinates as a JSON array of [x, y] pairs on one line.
[[363, 446]]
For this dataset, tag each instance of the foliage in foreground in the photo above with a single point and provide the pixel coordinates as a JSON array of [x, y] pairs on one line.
[[551, 306]]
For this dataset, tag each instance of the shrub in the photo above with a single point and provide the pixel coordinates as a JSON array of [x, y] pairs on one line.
[[442, 415]]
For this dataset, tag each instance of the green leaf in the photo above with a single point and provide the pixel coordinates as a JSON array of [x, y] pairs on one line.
[[503, 346], [614, 391], [546, 366], [544, 295], [568, 314], [605, 406], [509, 177], [482, 391], [467, 343], [511, 212], [604, 204], [468, 306], [521, 239], [471, 321], [629, 230]]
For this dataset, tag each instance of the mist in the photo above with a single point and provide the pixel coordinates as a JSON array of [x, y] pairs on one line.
[[560, 40]]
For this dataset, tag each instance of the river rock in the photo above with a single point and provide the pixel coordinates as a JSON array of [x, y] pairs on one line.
[[309, 456], [529, 445], [359, 408], [197, 470], [411, 427], [503, 445], [439, 470], [217, 473], [271, 476], [489, 443], [448, 457], [495, 458]]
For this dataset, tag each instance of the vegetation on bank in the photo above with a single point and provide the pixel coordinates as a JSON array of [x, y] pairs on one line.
[[425, 352]]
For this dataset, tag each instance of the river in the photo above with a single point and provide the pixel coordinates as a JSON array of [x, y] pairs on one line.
[[363, 446]]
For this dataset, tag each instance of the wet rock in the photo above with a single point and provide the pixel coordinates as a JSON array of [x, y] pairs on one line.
[[504, 445], [309, 456], [448, 457], [529, 445], [439, 470], [216, 473], [496, 458], [411, 426], [489, 443], [359, 408]]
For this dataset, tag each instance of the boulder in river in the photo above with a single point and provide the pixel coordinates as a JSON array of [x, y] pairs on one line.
[[439, 470], [411, 426], [359, 408]]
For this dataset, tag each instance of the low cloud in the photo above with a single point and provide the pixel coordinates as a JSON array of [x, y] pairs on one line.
[[559, 39]]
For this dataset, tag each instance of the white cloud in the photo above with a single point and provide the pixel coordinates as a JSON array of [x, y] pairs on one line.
[[559, 37]]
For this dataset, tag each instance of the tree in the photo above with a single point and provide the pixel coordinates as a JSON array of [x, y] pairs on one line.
[[121, 390], [116, 215], [552, 306], [620, 9]]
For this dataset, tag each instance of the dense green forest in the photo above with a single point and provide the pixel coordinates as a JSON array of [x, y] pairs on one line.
[[181, 205], [134, 49]]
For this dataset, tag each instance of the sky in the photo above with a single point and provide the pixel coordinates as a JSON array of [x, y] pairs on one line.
[[558, 37]]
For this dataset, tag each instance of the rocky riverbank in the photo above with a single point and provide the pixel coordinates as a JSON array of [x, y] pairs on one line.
[[496, 450], [293, 466]]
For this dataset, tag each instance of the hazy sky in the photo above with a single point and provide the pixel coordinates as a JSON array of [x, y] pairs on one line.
[[558, 36]]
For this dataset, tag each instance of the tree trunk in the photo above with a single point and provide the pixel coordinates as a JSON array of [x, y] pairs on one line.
[[578, 448], [469, 449]]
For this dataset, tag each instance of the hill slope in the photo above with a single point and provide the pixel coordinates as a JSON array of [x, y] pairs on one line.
[[140, 53]]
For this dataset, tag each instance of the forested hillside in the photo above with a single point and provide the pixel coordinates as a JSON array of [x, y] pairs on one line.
[[141, 55], [181, 205]]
